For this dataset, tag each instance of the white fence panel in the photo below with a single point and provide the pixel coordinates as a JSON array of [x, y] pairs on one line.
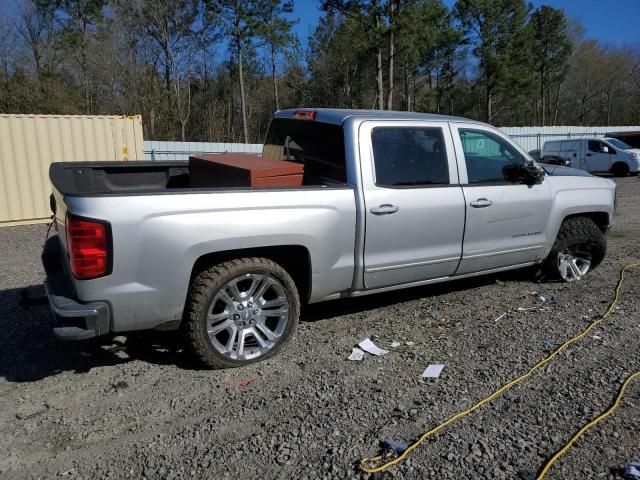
[[533, 138], [156, 150], [529, 138]]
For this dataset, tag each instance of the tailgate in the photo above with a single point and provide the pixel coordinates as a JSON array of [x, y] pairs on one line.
[[59, 210]]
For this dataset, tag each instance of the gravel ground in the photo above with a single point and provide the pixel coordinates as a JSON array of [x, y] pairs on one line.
[[145, 409]]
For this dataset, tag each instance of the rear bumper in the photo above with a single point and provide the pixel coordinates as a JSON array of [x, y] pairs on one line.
[[75, 320]]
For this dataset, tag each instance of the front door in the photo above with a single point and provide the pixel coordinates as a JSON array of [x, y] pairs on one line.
[[598, 156], [506, 221], [414, 216]]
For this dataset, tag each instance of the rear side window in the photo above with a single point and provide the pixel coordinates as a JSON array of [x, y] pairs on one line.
[[409, 156], [319, 146], [570, 146], [551, 147], [489, 158]]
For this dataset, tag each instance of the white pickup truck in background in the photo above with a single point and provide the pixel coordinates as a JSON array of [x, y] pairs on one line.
[[596, 155]]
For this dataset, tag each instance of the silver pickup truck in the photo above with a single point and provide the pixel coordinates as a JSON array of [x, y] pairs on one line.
[[389, 200]]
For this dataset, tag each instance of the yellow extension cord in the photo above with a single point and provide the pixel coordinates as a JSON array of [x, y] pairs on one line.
[[367, 465], [593, 422]]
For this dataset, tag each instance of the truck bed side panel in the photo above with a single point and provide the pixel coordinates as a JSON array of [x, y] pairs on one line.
[[158, 238]]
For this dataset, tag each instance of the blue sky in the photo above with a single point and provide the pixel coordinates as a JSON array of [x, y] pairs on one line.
[[615, 22]]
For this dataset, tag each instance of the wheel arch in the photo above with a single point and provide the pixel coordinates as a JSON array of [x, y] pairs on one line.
[[295, 259], [583, 230], [620, 167], [601, 219]]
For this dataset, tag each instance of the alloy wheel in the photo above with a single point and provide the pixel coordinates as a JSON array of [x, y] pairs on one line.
[[248, 316], [574, 263]]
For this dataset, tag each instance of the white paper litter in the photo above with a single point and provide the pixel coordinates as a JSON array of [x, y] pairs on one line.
[[500, 317], [597, 337], [395, 344], [411, 344], [356, 355], [368, 346], [522, 309], [433, 371]]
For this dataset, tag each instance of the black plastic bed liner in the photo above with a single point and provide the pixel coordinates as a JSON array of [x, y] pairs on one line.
[[86, 178], [144, 178]]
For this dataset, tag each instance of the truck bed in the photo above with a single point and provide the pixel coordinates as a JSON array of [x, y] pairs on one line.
[[103, 178]]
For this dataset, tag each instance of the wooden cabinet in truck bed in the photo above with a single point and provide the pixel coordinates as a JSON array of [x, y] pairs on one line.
[[242, 170]]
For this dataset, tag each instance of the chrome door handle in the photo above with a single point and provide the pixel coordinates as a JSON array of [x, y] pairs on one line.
[[481, 203], [385, 209]]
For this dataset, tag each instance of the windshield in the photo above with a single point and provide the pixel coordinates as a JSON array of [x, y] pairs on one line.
[[619, 143]]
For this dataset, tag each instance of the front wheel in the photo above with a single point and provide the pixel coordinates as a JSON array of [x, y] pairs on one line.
[[620, 169], [579, 247], [240, 312]]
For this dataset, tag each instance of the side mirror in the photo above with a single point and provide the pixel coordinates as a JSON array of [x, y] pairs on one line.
[[526, 172], [605, 149], [531, 173]]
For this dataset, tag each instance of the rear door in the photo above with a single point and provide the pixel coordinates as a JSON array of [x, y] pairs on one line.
[[506, 220], [572, 150], [414, 217]]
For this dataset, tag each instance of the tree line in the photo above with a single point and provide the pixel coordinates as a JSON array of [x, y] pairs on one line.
[[216, 70]]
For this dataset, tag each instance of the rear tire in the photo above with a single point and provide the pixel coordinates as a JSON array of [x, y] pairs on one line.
[[579, 248], [240, 312], [620, 169]]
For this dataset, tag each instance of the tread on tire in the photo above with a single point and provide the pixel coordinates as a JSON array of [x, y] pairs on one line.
[[204, 287]]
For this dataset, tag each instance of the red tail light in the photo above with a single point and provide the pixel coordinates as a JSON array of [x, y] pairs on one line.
[[88, 244], [304, 115]]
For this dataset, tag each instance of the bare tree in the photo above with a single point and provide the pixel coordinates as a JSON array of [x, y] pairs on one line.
[[169, 25], [237, 19], [393, 5], [275, 30]]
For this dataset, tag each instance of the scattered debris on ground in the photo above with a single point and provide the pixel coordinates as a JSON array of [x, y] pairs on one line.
[[368, 346], [356, 354], [545, 296], [632, 471], [433, 371]]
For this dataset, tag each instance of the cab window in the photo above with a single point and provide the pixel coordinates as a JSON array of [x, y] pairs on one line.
[[600, 147], [409, 156], [489, 158], [595, 146]]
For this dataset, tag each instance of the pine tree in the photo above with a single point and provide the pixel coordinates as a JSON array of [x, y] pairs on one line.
[[551, 50], [502, 40], [275, 30]]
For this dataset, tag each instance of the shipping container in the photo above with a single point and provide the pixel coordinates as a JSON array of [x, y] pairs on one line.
[[30, 143]]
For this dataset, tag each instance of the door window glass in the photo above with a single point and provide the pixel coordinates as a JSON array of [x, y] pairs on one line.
[[599, 147], [408, 156], [488, 157]]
